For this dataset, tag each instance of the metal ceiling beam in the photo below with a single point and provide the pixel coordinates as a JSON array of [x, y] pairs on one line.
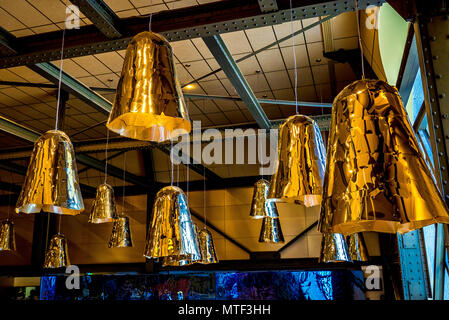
[[30, 135], [224, 58], [268, 5], [101, 16], [186, 23]]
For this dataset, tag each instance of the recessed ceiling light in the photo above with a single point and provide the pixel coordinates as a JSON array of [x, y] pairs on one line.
[[189, 86]]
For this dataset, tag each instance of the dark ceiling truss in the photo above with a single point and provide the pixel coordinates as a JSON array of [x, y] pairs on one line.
[[204, 20], [101, 16]]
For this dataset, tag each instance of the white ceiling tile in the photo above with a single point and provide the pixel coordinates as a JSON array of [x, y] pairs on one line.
[[218, 118], [307, 93], [119, 5], [304, 76], [271, 60], [25, 13], [261, 37], [22, 33], [9, 22], [202, 47], [278, 80], [183, 75], [185, 51], [91, 64], [285, 29], [257, 82], [53, 9], [301, 57], [112, 60], [321, 73], [346, 43], [316, 53], [227, 105], [284, 94], [236, 116], [198, 68], [344, 25], [213, 87], [248, 66], [151, 9], [236, 42]]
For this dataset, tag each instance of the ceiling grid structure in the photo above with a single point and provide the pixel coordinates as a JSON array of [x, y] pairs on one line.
[[270, 74]]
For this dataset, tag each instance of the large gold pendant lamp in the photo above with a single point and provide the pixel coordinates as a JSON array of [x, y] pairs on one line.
[[7, 236], [172, 232], [271, 231], [149, 104], [51, 182], [301, 163], [376, 176]]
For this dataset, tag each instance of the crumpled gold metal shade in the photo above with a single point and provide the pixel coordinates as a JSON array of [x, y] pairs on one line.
[[57, 255], [172, 232], [149, 104], [7, 236], [103, 208], [260, 206], [121, 234], [376, 176], [51, 183], [357, 247], [301, 163], [271, 231], [207, 247], [334, 248]]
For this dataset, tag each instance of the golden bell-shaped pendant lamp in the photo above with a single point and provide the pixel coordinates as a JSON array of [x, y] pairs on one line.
[[149, 104], [57, 255], [7, 236], [271, 231], [376, 176], [207, 247], [171, 232], [51, 182], [260, 206], [104, 208], [301, 163], [356, 247], [121, 234], [334, 248]]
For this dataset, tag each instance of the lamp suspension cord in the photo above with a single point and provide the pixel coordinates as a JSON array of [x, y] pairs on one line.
[[360, 38], [106, 156], [60, 79], [204, 196], [294, 57], [151, 16], [171, 162], [124, 182]]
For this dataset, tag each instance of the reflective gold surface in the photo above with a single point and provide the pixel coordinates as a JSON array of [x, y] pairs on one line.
[[207, 247], [334, 248], [260, 207], [184, 260], [171, 232], [57, 255], [121, 234], [301, 163], [376, 177], [7, 236], [356, 247], [271, 231], [103, 208], [149, 104], [51, 183]]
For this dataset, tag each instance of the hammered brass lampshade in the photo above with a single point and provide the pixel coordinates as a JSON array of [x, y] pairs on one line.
[[301, 163], [57, 255], [376, 176], [7, 236], [182, 260], [104, 208], [121, 234], [260, 206], [51, 182], [334, 248], [271, 231], [207, 247], [149, 104], [357, 247], [171, 233]]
